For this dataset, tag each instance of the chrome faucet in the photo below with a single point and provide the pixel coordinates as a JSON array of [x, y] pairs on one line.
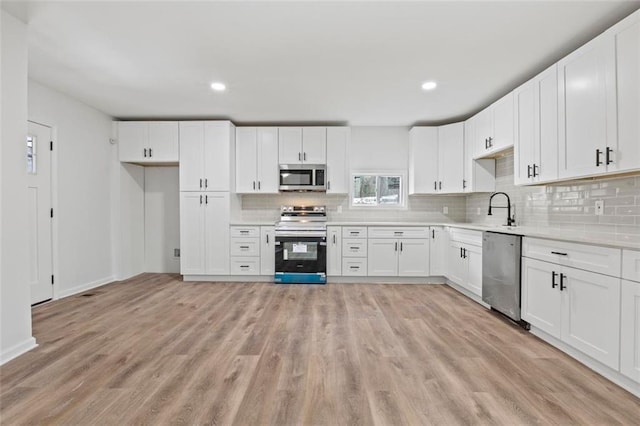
[[511, 220]]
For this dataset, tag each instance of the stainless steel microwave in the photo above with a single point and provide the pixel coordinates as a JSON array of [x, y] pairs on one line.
[[303, 177]]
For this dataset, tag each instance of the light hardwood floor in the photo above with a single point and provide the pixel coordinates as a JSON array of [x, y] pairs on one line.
[[155, 350]]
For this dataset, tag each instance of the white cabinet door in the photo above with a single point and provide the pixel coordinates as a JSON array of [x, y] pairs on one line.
[[423, 160], [524, 146], [334, 250], [591, 314], [545, 167], [630, 330], [218, 143], [163, 141], [457, 267], [338, 140], [267, 250], [382, 257], [132, 139], [290, 145], [483, 130], [217, 211], [626, 35], [473, 257], [502, 137], [314, 145], [413, 258], [192, 234], [191, 161], [541, 297], [451, 158], [268, 176], [438, 251], [246, 159], [585, 119]]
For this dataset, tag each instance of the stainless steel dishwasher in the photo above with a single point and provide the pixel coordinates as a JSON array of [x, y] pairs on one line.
[[501, 273]]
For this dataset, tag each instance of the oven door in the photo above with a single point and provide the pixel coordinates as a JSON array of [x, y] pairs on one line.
[[301, 255]]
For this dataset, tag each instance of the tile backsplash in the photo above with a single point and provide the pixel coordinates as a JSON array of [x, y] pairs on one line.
[[569, 206]]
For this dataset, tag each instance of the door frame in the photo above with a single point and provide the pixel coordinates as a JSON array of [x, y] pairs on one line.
[[54, 201]]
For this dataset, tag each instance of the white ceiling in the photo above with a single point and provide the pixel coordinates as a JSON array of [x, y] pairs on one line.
[[359, 63]]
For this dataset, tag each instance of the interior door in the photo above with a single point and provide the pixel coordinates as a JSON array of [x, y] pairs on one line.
[[39, 212]]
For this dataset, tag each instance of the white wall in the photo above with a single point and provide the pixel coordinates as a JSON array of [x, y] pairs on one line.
[[379, 148], [161, 219], [83, 158], [130, 221], [15, 309]]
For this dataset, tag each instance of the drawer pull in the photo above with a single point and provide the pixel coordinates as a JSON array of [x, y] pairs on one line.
[[244, 266], [244, 232], [244, 247], [559, 253], [354, 267], [398, 233], [354, 248], [354, 233]]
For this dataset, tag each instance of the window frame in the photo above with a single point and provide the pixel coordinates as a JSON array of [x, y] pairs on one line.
[[402, 202]]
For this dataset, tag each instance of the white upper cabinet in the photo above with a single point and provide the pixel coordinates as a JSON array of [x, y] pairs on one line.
[[257, 160], [586, 87], [626, 40], [148, 142], [338, 141], [479, 175], [493, 127], [423, 160], [450, 158], [536, 129], [302, 145], [207, 152]]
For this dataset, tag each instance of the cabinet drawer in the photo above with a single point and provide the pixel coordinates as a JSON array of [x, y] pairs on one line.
[[631, 265], [467, 236], [354, 232], [245, 247], [353, 266], [603, 260], [245, 266], [245, 231], [352, 247], [397, 232]]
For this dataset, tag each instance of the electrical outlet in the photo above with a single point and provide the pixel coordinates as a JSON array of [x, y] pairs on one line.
[[445, 210], [479, 211], [176, 252], [599, 207]]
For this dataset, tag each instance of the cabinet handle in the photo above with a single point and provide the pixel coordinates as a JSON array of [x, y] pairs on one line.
[[258, 185], [535, 170], [608, 159], [396, 248], [334, 238], [433, 234], [206, 199], [200, 199], [328, 184], [398, 232], [206, 183], [244, 247], [562, 278], [200, 183], [464, 184], [354, 233], [440, 185], [145, 152], [268, 238], [150, 153], [486, 143], [554, 284], [299, 156], [254, 185], [244, 232], [354, 267], [354, 248], [528, 170], [400, 246], [464, 253], [244, 266], [598, 162], [435, 185], [460, 251], [559, 253], [490, 141], [304, 156]]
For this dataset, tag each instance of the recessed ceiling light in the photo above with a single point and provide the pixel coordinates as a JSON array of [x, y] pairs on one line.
[[429, 85], [218, 87]]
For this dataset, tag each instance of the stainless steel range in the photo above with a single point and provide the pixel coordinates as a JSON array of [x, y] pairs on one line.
[[301, 245]]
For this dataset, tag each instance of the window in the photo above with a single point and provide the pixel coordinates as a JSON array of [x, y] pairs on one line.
[[377, 189]]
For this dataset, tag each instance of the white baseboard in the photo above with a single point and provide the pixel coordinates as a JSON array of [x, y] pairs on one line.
[[17, 350], [609, 373], [385, 280], [84, 287], [229, 278]]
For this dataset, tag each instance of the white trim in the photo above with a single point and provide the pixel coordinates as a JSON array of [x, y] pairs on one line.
[[228, 278], [85, 287], [17, 350], [385, 280], [605, 371]]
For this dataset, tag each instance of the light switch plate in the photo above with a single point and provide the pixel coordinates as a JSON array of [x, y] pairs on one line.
[[599, 207]]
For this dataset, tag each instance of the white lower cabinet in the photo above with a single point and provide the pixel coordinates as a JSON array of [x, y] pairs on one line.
[[267, 250], [438, 251], [464, 260], [398, 257], [630, 330], [581, 308], [334, 250], [204, 233]]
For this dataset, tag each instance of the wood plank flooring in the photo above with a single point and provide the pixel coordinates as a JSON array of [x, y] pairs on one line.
[[155, 350]]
